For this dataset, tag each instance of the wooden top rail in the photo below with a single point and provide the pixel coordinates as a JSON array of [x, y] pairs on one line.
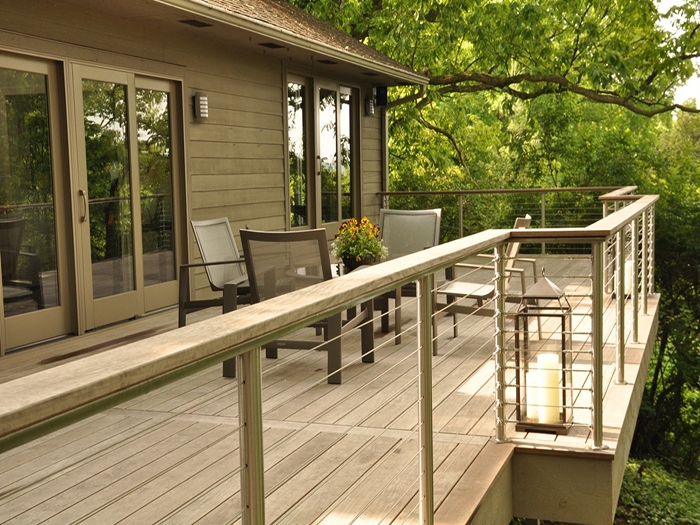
[[620, 194], [45, 401]]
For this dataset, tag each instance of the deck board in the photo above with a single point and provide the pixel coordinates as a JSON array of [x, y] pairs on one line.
[[334, 454]]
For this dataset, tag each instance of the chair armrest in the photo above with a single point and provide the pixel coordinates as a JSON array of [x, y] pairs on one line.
[[472, 265], [533, 262], [201, 265], [241, 279]]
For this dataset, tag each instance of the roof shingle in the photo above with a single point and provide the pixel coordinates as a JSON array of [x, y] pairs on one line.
[[286, 18]]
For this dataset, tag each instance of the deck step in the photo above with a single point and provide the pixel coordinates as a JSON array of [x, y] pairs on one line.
[[479, 495]]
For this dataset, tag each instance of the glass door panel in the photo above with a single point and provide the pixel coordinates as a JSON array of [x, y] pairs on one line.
[[345, 179], [27, 218], [328, 154], [296, 146], [156, 185], [109, 187], [34, 304]]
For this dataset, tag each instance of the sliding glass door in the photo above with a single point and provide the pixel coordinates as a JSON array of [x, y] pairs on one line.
[[125, 192], [321, 125]]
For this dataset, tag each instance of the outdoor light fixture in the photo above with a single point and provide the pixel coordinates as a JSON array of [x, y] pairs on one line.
[[201, 106], [370, 103], [543, 368]]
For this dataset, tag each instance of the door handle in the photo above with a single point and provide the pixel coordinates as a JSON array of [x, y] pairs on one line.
[[83, 194]]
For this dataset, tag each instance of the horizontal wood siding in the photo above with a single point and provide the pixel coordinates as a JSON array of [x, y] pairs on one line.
[[371, 165]]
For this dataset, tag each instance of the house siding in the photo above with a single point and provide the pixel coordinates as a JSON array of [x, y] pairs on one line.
[[234, 163]]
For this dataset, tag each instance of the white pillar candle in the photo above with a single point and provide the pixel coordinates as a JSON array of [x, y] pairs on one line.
[[532, 394], [549, 398]]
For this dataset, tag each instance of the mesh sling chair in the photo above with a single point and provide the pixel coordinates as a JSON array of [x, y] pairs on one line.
[[224, 267], [282, 262], [405, 232], [457, 290]]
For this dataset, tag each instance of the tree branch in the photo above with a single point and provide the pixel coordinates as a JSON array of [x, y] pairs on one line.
[[468, 82]]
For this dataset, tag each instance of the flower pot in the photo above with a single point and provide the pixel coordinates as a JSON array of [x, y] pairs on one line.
[[351, 263]]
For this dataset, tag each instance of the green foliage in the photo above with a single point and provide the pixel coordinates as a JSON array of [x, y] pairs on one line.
[[652, 496], [669, 423], [612, 51]]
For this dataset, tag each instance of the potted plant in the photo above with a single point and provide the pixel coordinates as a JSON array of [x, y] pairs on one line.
[[358, 243]]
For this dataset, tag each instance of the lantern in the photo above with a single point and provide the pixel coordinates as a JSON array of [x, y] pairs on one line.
[[543, 366]]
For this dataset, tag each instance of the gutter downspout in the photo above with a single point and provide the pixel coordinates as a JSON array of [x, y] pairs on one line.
[[385, 137]]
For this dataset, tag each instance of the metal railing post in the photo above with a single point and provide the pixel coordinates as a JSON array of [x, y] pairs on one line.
[[251, 440], [425, 397], [543, 211], [620, 303], [499, 351], [461, 215], [635, 281], [645, 261], [652, 249], [597, 284]]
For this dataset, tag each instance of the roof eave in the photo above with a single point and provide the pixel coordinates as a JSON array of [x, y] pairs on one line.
[[269, 31]]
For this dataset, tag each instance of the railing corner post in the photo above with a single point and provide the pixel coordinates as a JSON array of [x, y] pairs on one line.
[[499, 352], [597, 285]]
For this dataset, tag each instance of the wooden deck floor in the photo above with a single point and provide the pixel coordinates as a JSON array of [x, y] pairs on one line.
[[334, 454]]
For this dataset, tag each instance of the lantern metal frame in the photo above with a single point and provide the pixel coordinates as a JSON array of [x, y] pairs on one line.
[[543, 300]]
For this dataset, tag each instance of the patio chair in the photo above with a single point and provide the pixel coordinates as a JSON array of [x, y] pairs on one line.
[[457, 290], [224, 267], [20, 268], [405, 232], [282, 262]]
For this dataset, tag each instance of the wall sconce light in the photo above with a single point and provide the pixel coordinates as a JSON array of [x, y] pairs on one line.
[[370, 103], [201, 106]]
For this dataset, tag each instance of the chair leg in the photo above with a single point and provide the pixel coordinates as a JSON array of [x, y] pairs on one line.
[[434, 322], [397, 316], [271, 351], [184, 296], [367, 331], [451, 299], [335, 358], [230, 305], [383, 303]]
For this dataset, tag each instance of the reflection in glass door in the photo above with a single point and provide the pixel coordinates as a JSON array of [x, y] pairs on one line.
[[153, 112], [335, 143], [109, 187], [33, 288]]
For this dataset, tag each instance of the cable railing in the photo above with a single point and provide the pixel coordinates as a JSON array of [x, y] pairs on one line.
[[38, 404], [467, 211]]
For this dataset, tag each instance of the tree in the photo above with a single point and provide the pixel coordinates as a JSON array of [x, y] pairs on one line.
[[609, 51]]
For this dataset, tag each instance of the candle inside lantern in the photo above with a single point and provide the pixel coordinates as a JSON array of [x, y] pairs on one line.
[[549, 397], [532, 394]]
